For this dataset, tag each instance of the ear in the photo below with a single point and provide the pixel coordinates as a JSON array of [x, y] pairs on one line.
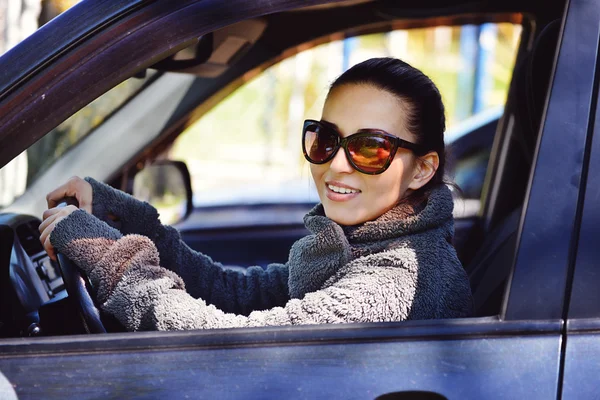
[[425, 168]]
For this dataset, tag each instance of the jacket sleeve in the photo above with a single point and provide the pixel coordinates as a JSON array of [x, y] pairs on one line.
[[87, 240], [138, 217], [143, 296]]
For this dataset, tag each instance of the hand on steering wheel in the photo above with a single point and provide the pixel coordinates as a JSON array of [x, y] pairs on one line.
[[77, 189], [50, 218], [76, 283]]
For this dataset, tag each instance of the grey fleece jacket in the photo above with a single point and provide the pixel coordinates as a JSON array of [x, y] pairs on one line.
[[397, 267]]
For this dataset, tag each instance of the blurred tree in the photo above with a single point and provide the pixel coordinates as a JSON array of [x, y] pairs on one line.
[[18, 19], [52, 8]]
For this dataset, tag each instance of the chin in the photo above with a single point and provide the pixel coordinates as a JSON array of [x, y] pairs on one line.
[[343, 217]]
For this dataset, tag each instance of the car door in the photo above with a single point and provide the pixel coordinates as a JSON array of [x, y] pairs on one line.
[[582, 342], [516, 354]]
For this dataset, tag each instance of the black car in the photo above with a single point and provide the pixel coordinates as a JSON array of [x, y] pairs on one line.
[[528, 248]]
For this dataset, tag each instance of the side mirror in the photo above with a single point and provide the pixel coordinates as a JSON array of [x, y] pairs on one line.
[[168, 187]]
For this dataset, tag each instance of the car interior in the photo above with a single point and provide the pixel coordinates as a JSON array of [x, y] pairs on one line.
[[227, 58], [490, 266]]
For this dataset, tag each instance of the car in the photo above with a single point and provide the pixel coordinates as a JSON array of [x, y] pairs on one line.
[[529, 250]]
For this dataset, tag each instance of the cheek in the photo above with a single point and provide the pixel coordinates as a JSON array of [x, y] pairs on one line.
[[392, 184], [317, 171], [406, 169], [388, 188]]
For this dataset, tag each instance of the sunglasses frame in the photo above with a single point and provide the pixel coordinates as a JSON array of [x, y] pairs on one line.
[[342, 142]]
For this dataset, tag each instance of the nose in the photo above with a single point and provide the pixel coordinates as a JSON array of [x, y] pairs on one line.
[[340, 163]]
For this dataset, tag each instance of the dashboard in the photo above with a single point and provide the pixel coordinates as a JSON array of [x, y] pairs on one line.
[[29, 279]]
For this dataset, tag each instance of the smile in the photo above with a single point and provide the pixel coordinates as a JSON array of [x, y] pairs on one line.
[[339, 192], [342, 190]]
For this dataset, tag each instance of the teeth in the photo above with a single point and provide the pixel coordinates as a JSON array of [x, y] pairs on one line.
[[341, 190]]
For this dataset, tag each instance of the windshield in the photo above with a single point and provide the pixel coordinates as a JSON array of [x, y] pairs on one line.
[[21, 172]]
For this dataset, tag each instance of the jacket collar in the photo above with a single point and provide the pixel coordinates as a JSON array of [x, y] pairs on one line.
[[400, 221]]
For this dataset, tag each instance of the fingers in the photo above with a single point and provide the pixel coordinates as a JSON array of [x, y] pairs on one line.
[[48, 213], [52, 213], [51, 218], [47, 226], [45, 239], [74, 187], [45, 236]]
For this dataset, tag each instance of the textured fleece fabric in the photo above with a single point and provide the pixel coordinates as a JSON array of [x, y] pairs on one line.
[[397, 267]]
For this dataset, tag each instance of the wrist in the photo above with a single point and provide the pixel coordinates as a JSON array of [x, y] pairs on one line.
[[122, 210], [82, 237]]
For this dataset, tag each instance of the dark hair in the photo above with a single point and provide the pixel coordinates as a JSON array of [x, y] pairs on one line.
[[426, 119]]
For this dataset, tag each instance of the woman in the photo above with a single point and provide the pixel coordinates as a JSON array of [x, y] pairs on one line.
[[379, 248]]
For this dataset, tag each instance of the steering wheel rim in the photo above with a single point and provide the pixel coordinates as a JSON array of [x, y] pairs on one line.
[[79, 289]]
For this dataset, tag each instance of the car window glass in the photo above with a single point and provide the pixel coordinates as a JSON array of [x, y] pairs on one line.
[[247, 148]]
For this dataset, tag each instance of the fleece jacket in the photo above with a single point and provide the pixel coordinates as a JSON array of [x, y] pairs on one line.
[[399, 266]]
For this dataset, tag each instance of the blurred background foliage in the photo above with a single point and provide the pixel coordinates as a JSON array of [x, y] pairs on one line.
[[19, 19]]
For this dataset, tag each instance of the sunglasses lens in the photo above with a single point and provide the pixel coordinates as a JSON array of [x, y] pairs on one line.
[[370, 153], [319, 143]]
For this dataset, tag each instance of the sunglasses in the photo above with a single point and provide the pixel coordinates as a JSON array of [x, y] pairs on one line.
[[369, 151]]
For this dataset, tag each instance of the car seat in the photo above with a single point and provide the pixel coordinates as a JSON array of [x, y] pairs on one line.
[[490, 268]]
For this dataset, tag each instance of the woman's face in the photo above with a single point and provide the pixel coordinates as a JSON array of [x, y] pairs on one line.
[[353, 107]]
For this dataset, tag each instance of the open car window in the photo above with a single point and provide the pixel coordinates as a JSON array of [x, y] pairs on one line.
[[256, 129]]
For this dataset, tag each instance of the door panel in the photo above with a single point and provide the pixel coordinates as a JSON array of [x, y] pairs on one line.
[[582, 351], [484, 367], [582, 360]]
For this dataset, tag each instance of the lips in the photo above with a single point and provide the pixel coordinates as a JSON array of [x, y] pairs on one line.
[[337, 191]]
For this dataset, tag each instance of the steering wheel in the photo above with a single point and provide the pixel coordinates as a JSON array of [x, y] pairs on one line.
[[79, 288]]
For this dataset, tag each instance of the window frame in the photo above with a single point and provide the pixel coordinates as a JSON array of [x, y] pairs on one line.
[[584, 294], [121, 41], [539, 282]]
